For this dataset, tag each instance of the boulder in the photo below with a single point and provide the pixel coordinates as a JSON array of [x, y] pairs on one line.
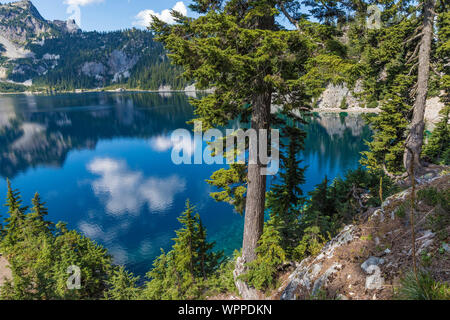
[[372, 261], [371, 266]]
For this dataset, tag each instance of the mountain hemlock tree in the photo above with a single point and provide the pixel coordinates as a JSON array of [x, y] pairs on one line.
[[285, 199], [16, 216], [238, 48], [122, 285], [182, 273], [397, 61], [414, 141], [39, 255], [270, 255], [438, 146]]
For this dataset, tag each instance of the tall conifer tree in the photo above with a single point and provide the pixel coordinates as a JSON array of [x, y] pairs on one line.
[[286, 197], [239, 49], [16, 216]]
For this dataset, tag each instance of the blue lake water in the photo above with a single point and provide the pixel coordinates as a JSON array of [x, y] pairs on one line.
[[102, 162]]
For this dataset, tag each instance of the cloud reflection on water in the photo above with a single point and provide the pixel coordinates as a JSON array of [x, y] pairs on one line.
[[126, 191]]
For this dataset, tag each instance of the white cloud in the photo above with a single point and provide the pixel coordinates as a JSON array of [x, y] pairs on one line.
[[74, 9], [126, 191], [165, 143], [143, 18], [82, 3], [161, 143]]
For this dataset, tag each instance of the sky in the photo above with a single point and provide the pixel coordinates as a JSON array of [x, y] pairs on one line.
[[111, 15], [108, 15]]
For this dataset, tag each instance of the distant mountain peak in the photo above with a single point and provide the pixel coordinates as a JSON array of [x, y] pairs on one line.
[[28, 6], [21, 23], [58, 54]]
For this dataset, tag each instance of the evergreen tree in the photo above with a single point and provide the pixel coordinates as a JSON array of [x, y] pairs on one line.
[[438, 145], [122, 285], [425, 34], [37, 216], [15, 220], [238, 49], [270, 255], [285, 199], [387, 82], [39, 256], [207, 260], [312, 241], [183, 272], [390, 129], [164, 281], [185, 246], [395, 63], [321, 199]]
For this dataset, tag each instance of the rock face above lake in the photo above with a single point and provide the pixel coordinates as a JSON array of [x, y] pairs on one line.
[[340, 98]]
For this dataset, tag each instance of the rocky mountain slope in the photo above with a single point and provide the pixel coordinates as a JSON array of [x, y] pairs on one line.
[[21, 24], [57, 54], [368, 258]]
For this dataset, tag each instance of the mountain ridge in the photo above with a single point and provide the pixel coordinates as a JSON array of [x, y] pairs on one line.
[[59, 55]]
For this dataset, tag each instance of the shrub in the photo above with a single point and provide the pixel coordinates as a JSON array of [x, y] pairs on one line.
[[310, 245], [422, 288], [270, 255], [439, 220], [223, 279]]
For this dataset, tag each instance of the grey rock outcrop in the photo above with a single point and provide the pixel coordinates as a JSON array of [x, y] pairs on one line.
[[21, 21], [245, 291], [69, 26], [334, 95], [93, 69], [323, 280], [371, 267], [309, 274], [120, 65], [372, 261]]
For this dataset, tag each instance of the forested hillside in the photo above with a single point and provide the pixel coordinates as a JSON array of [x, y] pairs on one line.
[[92, 59], [59, 56]]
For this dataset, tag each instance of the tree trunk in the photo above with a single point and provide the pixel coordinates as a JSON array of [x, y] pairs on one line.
[[255, 202], [256, 184], [414, 142], [256, 188]]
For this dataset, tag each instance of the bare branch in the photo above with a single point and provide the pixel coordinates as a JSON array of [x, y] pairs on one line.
[[289, 17], [413, 38], [393, 176], [433, 68], [412, 68], [414, 90], [414, 54]]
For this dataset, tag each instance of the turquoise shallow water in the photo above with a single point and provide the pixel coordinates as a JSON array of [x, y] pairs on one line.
[[102, 162]]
